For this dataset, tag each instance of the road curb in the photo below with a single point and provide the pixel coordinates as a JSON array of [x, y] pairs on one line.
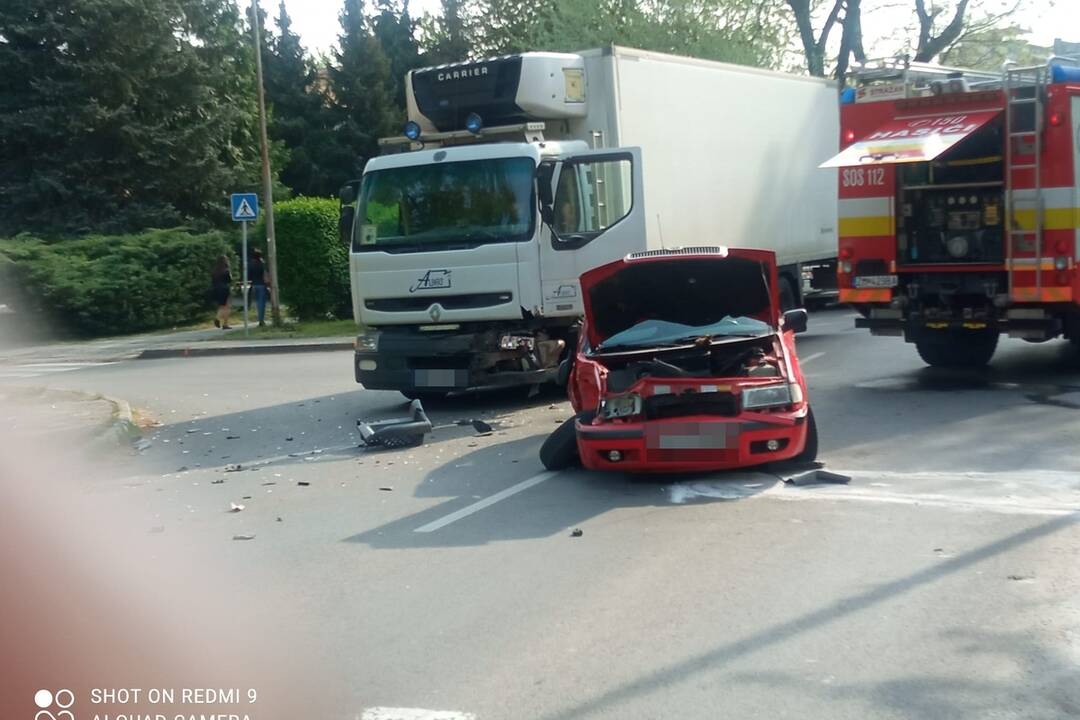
[[195, 351]]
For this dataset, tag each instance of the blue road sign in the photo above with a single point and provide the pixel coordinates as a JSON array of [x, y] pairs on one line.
[[245, 206]]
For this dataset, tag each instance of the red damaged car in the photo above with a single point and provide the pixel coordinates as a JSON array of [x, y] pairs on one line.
[[684, 363]]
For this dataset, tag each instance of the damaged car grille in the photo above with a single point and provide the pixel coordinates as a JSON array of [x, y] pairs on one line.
[[659, 407]]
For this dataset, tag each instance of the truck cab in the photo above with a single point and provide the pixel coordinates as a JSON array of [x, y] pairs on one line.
[[467, 236]]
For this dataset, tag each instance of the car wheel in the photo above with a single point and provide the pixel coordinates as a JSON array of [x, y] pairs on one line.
[[560, 450], [809, 453]]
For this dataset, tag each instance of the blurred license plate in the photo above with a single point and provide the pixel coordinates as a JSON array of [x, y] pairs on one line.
[[440, 378], [692, 436], [875, 281]]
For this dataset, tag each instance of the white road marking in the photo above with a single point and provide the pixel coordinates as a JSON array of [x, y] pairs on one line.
[[32, 370], [389, 713], [486, 502], [808, 358]]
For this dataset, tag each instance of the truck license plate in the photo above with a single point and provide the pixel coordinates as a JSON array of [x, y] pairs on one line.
[[875, 281], [440, 378]]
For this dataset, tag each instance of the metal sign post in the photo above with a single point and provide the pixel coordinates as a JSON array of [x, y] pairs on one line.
[[245, 208]]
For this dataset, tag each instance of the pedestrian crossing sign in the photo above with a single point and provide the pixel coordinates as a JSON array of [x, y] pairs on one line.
[[245, 207]]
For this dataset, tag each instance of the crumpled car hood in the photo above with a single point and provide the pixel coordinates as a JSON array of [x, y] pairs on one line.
[[700, 287]]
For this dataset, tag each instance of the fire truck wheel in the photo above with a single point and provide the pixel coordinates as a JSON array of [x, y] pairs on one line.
[[560, 450], [809, 453], [964, 351]]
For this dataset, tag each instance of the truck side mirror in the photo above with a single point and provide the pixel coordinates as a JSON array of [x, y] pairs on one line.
[[544, 174], [345, 223], [347, 213], [347, 193], [795, 320]]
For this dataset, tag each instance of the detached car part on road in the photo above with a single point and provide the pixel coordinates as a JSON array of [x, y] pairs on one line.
[[684, 363]]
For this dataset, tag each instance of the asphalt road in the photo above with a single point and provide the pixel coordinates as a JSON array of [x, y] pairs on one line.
[[942, 582]]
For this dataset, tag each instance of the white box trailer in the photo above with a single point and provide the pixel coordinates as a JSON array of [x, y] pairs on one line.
[[730, 153], [517, 174]]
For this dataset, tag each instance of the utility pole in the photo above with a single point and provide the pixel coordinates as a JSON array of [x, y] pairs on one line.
[[268, 188]]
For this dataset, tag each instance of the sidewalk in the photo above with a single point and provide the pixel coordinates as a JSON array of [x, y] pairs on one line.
[[182, 343]]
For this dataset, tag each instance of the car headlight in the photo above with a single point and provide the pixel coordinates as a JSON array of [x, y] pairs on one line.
[[767, 396], [620, 406], [368, 342]]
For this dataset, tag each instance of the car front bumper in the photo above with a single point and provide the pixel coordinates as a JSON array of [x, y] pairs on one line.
[[693, 443]]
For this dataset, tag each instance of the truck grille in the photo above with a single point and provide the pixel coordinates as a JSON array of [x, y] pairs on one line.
[[659, 407], [448, 302]]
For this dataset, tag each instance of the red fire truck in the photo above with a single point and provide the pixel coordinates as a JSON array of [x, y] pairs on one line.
[[960, 205]]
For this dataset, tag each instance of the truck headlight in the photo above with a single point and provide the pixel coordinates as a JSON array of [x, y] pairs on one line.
[[620, 406], [513, 342], [767, 396], [368, 342]]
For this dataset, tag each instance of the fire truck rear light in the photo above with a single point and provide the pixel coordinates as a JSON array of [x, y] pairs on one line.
[[849, 135], [1062, 247], [846, 253], [845, 267], [1061, 263], [1055, 119]]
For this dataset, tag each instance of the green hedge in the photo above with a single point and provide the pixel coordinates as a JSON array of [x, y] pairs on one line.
[[102, 285], [313, 264]]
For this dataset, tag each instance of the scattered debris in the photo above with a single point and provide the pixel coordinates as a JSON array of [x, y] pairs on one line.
[[1022, 578], [243, 537], [398, 432], [576, 532], [247, 497], [142, 444], [232, 437], [280, 520], [303, 483], [182, 468], [816, 476], [270, 482], [217, 481], [235, 507], [482, 428], [289, 439], [387, 488], [234, 468]]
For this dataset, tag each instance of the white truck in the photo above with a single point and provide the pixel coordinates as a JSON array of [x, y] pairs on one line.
[[519, 173]]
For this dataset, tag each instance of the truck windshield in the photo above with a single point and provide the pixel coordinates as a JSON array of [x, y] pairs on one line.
[[451, 204]]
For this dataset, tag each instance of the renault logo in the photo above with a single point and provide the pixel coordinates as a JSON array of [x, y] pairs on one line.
[[435, 313]]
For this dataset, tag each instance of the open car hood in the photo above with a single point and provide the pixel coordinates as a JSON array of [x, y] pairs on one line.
[[713, 288]]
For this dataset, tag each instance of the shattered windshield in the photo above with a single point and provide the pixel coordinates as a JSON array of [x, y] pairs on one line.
[[453, 203], [653, 332]]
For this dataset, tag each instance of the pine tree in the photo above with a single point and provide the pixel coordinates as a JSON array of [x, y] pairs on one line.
[[119, 115], [300, 119], [362, 93], [395, 31], [448, 35]]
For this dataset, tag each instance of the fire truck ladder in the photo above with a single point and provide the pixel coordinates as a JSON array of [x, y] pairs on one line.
[[1016, 236]]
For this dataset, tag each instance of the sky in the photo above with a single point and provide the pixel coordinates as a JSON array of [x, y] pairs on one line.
[[316, 21]]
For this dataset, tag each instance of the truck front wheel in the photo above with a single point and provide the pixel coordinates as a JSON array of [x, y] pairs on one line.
[[968, 350]]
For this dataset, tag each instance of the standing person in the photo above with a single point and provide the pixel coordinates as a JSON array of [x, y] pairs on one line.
[[259, 283], [220, 286]]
